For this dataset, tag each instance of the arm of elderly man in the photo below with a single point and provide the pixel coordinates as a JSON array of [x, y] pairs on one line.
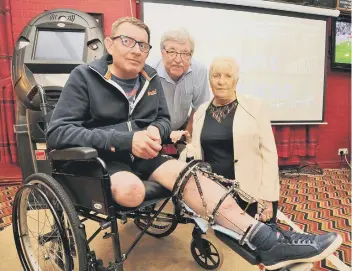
[[201, 94]]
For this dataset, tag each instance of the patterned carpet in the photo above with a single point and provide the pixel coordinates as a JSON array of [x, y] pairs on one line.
[[316, 203], [7, 194]]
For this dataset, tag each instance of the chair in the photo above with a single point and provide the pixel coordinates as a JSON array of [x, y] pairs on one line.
[[68, 197]]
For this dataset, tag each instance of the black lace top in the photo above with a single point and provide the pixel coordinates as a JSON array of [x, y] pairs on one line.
[[217, 138]]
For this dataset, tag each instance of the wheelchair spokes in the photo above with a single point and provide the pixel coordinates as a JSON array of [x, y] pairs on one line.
[[39, 234], [206, 255], [46, 227], [164, 224]]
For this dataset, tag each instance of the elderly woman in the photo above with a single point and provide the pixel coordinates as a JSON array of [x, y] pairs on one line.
[[233, 134]]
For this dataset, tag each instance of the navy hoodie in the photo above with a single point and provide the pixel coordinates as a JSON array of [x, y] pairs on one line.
[[93, 110]]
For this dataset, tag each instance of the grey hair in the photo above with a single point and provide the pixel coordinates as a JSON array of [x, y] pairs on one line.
[[229, 61], [178, 35]]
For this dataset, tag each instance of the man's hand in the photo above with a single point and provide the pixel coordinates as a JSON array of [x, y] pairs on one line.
[[268, 213], [143, 146], [154, 133], [176, 135]]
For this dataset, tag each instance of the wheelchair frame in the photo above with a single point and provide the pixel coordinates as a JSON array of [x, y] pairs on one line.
[[108, 207], [112, 212]]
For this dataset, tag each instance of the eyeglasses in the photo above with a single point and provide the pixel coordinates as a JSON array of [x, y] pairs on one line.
[[174, 54], [131, 42]]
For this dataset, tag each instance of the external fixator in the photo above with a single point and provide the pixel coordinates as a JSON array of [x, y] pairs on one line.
[[194, 169]]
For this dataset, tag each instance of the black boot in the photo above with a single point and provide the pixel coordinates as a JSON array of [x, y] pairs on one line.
[[278, 248]]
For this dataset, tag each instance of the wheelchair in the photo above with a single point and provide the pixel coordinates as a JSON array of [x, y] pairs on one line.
[[67, 198]]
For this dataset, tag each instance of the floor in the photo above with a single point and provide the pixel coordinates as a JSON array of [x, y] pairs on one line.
[[171, 253], [314, 203]]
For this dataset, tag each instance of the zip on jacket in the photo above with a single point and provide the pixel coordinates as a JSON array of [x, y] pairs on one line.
[[91, 113]]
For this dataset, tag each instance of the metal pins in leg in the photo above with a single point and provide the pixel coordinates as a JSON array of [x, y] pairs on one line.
[[196, 168]]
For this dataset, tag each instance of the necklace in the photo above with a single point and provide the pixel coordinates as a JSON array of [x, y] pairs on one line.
[[220, 112]]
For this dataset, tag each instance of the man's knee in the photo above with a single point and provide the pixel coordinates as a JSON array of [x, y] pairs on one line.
[[172, 166], [168, 172], [127, 189]]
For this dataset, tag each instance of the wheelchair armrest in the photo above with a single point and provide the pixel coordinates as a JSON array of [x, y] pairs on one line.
[[77, 153]]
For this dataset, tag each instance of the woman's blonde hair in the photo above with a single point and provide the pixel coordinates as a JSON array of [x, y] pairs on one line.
[[225, 60]]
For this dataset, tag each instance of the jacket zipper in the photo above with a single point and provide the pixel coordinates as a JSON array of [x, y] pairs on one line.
[[144, 89], [129, 125], [146, 84]]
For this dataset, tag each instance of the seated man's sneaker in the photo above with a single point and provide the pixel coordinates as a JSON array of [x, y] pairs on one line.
[[278, 248]]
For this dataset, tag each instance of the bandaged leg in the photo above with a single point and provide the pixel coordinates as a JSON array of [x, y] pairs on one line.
[[217, 204]]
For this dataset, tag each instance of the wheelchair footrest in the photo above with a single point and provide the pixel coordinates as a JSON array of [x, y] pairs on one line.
[[244, 251], [298, 267]]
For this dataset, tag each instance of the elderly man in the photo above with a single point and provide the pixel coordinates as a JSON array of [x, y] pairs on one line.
[[116, 105], [184, 80]]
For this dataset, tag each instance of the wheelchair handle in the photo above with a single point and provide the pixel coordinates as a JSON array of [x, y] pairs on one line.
[[182, 140], [43, 102], [33, 92]]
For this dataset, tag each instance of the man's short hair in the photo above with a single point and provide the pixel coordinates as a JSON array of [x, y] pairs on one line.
[[177, 35], [130, 20]]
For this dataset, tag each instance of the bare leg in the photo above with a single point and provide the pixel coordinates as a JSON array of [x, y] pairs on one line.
[[232, 216], [127, 189], [273, 251]]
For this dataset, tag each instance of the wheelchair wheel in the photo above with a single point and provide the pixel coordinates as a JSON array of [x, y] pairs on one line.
[[206, 255], [46, 227], [164, 224]]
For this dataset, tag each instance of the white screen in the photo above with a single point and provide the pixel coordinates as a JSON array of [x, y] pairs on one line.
[[281, 58], [59, 45]]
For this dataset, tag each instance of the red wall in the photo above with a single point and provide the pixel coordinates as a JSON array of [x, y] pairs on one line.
[[337, 133], [338, 92], [25, 10], [8, 152]]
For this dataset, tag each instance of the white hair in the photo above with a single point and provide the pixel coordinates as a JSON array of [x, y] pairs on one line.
[[229, 61], [178, 35]]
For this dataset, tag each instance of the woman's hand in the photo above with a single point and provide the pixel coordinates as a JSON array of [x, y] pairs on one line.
[[176, 135], [268, 212]]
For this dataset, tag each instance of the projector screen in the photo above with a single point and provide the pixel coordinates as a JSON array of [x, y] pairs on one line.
[[281, 57]]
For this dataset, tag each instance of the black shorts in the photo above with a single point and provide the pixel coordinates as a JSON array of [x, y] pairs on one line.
[[143, 168]]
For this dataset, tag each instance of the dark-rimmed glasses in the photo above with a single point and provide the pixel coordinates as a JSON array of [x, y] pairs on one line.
[[173, 54], [131, 42]]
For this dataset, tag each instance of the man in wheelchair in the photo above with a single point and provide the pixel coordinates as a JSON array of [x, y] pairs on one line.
[[116, 105]]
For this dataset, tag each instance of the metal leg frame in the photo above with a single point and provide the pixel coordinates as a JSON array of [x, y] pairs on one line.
[[232, 188]]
